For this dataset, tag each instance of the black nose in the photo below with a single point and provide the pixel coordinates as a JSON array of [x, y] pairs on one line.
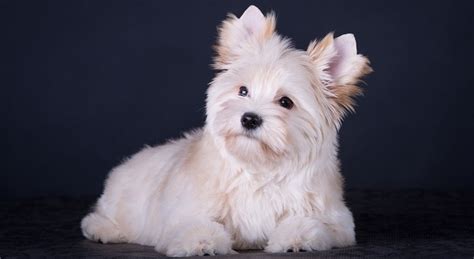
[[251, 120]]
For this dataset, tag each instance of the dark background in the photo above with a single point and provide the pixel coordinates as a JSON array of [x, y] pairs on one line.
[[86, 83]]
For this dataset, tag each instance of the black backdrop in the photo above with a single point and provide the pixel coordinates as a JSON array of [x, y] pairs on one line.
[[86, 83]]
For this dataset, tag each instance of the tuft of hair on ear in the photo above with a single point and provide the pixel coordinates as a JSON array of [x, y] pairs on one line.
[[339, 69], [344, 96], [234, 33]]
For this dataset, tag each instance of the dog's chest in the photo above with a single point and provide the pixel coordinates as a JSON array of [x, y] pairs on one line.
[[253, 213]]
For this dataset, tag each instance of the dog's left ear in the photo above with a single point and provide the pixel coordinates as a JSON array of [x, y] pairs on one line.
[[238, 36], [339, 68]]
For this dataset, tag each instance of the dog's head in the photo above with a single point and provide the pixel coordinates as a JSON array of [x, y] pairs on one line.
[[269, 101]]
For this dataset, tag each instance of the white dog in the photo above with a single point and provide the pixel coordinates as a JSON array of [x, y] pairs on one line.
[[263, 172]]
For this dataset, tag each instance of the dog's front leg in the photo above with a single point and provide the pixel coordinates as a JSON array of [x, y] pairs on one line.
[[195, 237], [299, 233]]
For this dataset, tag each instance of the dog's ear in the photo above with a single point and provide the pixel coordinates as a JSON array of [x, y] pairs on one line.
[[339, 68], [238, 35]]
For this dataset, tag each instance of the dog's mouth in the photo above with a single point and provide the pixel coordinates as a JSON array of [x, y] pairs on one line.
[[248, 134], [252, 149], [244, 137]]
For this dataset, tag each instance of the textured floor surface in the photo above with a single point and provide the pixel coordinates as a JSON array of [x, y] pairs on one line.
[[409, 223]]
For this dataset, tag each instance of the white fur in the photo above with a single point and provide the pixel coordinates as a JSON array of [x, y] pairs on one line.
[[219, 188]]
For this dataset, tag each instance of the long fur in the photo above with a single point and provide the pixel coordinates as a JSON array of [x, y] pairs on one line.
[[221, 188]]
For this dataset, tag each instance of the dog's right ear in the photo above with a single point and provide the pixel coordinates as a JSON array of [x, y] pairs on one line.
[[340, 68], [237, 35]]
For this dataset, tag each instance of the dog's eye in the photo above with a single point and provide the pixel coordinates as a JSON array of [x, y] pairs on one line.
[[286, 102], [243, 91]]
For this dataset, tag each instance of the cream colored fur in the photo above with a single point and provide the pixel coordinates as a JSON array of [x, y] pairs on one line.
[[221, 188]]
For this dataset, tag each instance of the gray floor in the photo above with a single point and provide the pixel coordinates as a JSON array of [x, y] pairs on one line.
[[411, 223]]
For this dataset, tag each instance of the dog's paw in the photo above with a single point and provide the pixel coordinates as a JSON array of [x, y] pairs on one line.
[[209, 239], [98, 228], [299, 234], [200, 247]]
